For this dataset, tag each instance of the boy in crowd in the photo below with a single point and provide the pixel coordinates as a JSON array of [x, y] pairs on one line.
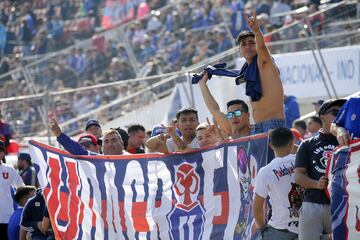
[[277, 180]]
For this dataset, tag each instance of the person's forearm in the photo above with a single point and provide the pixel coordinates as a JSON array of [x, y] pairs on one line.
[[306, 182], [71, 146], [152, 143], [259, 218]]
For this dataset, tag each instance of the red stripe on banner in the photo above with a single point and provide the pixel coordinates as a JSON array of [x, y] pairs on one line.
[[63, 213], [122, 216], [74, 204], [223, 218], [138, 213], [158, 203], [93, 217], [103, 213], [53, 201]]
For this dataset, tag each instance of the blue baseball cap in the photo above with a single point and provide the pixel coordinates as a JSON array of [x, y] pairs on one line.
[[91, 122], [157, 129]]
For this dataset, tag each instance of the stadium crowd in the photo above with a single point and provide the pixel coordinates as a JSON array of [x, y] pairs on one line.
[[334, 125], [163, 37]]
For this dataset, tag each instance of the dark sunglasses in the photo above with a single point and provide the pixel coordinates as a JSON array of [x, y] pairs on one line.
[[332, 111], [236, 113], [87, 144]]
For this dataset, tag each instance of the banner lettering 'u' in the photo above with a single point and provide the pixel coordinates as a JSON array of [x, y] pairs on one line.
[[205, 194], [344, 175]]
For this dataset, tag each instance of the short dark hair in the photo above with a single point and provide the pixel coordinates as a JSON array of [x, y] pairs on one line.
[[316, 119], [300, 123], [242, 35], [281, 137], [135, 127], [187, 111], [243, 104], [22, 192]]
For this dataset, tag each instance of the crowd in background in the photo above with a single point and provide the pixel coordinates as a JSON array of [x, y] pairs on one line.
[[162, 42]]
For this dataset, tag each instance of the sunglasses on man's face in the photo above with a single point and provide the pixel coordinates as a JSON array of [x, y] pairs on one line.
[[236, 113], [87, 144]]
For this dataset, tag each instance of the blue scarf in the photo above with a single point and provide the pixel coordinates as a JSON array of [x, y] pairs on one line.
[[248, 73]]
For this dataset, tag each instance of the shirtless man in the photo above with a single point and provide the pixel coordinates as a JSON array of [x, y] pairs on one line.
[[268, 112]]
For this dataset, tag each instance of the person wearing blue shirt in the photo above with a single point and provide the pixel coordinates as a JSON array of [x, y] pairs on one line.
[[292, 110], [346, 125], [22, 195]]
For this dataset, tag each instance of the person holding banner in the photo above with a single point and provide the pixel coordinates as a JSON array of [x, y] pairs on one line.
[[310, 168], [187, 121], [112, 143], [277, 181], [346, 126], [262, 77]]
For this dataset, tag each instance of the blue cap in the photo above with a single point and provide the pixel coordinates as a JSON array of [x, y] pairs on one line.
[[24, 156], [91, 122], [157, 129]]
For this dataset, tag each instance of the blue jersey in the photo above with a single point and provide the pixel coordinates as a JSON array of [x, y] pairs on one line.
[[14, 224], [349, 117]]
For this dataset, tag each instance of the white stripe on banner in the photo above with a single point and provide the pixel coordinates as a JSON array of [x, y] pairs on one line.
[[85, 168], [353, 212], [234, 192], [212, 160]]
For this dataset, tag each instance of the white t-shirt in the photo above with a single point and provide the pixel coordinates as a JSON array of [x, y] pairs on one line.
[[9, 178], [277, 180], [171, 146]]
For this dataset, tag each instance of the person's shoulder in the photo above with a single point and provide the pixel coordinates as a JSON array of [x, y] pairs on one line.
[[7, 167]]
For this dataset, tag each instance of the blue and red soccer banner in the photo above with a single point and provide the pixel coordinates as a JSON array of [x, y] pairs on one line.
[[344, 191], [205, 194]]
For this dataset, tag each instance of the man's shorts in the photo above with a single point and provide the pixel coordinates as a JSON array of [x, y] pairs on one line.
[[270, 233], [264, 127]]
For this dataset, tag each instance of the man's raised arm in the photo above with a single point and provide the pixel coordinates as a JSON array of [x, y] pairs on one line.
[[212, 105]]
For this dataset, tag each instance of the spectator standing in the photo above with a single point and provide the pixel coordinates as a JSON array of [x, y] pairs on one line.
[[187, 121], [267, 107], [292, 110], [300, 125], [93, 127], [317, 105], [9, 179], [32, 216], [22, 195], [27, 171], [237, 120], [136, 142], [346, 125], [310, 167], [314, 125], [277, 181]]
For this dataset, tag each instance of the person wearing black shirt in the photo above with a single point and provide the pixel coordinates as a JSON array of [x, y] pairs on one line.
[[310, 167]]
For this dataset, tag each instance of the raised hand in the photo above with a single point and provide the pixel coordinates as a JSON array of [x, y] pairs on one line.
[[171, 130], [55, 128], [253, 23], [205, 77]]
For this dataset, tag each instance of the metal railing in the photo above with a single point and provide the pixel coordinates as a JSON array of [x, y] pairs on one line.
[[29, 111]]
